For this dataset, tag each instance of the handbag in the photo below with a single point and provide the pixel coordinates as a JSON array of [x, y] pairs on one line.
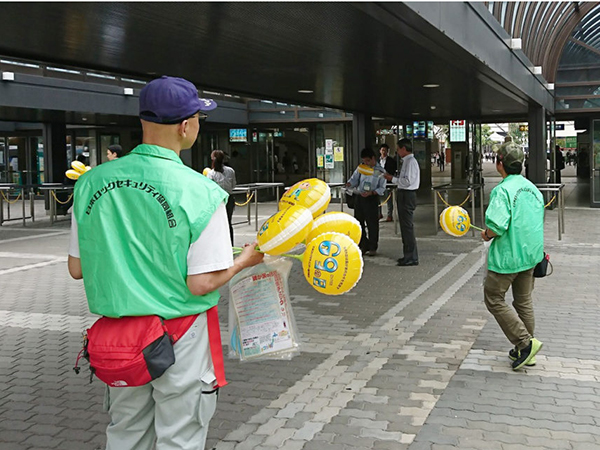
[[130, 351], [541, 268], [350, 200]]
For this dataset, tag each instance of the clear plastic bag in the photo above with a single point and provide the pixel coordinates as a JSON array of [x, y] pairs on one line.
[[261, 320], [485, 252]]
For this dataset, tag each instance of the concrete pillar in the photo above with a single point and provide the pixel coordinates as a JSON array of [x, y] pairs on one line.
[[537, 144], [55, 151], [363, 134]]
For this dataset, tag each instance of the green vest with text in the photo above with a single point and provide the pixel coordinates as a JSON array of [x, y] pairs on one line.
[[137, 217], [516, 215]]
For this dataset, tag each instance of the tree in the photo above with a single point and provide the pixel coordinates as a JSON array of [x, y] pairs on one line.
[[442, 133], [521, 138]]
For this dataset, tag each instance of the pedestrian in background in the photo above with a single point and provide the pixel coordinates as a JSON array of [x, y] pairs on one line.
[[224, 176], [389, 165], [366, 205], [115, 151], [515, 221]]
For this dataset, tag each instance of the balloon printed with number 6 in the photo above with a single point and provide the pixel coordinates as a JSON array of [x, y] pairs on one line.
[[332, 263]]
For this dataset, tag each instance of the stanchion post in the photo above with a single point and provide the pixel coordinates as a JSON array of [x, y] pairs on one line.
[[472, 192], [562, 209], [396, 212], [248, 205], [559, 201], [1, 208], [256, 210], [52, 206], [23, 203], [435, 211], [481, 205], [32, 203]]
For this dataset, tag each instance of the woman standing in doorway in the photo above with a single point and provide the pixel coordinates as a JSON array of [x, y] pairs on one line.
[[224, 176]]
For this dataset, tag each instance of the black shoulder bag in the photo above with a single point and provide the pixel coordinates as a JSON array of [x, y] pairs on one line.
[[541, 269]]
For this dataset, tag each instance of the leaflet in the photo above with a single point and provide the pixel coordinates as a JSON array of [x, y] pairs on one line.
[[262, 312]]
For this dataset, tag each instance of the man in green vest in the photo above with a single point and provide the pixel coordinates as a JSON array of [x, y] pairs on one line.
[[150, 237], [515, 221]]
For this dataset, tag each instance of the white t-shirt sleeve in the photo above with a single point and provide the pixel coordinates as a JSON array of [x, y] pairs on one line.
[[212, 250], [74, 241]]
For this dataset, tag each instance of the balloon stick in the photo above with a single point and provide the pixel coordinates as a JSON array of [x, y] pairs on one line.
[[238, 250]]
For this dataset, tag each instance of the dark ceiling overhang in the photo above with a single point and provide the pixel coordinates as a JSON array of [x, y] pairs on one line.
[[366, 57]]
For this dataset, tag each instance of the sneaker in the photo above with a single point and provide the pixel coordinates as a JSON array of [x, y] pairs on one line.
[[371, 253], [527, 354], [514, 354]]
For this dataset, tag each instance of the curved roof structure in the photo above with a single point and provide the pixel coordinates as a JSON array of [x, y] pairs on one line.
[[544, 28], [578, 75]]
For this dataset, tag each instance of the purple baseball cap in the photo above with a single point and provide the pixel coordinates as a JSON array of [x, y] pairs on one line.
[[169, 100]]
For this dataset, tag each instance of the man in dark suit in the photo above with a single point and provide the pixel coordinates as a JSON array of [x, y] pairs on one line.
[[389, 164]]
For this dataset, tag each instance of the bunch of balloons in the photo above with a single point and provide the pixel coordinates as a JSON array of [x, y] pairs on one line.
[[455, 221], [332, 262], [78, 169]]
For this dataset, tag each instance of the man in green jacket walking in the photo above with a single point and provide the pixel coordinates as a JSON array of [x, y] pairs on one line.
[[515, 221]]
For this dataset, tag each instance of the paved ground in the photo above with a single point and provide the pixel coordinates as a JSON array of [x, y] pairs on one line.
[[410, 359]]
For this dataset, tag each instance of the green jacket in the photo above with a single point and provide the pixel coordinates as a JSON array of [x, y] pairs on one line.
[[516, 215], [137, 217]]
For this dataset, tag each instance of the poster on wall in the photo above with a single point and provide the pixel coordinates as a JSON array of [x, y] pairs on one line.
[[338, 154], [329, 162], [329, 146], [458, 130], [320, 161]]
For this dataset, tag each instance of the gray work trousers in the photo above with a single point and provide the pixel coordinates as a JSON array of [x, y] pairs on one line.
[[518, 324], [175, 409]]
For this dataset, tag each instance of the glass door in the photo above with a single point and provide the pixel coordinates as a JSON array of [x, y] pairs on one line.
[[595, 166]]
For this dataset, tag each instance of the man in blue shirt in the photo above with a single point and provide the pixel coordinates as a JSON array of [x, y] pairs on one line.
[[368, 188]]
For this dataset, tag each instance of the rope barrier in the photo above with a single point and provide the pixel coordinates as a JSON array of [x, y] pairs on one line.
[[58, 201], [14, 201], [469, 195], [386, 200], [248, 199], [550, 202], [447, 204]]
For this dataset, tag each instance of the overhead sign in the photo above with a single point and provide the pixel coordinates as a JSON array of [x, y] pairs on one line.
[[458, 131]]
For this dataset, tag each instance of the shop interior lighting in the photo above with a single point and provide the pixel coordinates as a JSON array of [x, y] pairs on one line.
[[432, 107], [416, 114], [8, 76], [305, 91], [550, 86], [537, 70], [127, 91], [431, 85]]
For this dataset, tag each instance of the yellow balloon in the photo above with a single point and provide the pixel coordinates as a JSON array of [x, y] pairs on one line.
[[72, 174], [205, 171], [338, 222], [455, 221], [365, 170], [311, 193], [332, 263], [284, 230], [88, 168], [79, 167]]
